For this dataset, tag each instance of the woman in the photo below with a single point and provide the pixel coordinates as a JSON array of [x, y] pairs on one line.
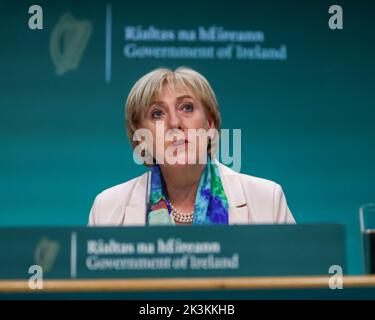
[[183, 192]]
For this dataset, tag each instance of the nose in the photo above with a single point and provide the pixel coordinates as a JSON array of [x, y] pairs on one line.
[[174, 121]]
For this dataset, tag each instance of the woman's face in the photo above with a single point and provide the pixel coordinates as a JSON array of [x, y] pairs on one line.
[[169, 120]]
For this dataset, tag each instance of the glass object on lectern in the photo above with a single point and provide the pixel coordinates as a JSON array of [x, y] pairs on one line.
[[367, 222]]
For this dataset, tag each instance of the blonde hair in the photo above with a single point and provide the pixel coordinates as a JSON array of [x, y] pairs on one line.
[[149, 87]]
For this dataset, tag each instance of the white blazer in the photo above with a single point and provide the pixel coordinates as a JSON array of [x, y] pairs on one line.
[[251, 201]]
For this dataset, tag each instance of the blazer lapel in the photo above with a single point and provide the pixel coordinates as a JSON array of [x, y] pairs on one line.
[[238, 207], [135, 211]]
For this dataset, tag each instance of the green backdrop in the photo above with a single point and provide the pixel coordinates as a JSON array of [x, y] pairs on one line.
[[307, 120]]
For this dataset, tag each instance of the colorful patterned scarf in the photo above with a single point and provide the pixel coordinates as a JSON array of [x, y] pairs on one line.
[[211, 204]]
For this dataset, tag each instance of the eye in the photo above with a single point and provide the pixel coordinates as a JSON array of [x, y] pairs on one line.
[[156, 114], [188, 107]]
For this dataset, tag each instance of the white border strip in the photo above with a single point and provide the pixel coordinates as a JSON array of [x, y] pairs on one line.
[[108, 43]]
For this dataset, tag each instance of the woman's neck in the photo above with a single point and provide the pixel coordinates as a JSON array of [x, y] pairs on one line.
[[182, 184]]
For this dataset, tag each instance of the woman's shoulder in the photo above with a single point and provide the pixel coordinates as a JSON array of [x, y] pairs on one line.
[[120, 191], [247, 180], [109, 205], [266, 197]]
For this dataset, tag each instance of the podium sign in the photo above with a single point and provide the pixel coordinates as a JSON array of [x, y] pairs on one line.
[[172, 251]]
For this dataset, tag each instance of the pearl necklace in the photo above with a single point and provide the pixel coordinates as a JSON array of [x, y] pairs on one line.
[[182, 217]]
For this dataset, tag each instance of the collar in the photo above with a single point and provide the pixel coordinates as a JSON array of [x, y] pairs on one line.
[[135, 211]]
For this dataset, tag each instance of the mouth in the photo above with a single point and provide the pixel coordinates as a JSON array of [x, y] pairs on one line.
[[180, 142]]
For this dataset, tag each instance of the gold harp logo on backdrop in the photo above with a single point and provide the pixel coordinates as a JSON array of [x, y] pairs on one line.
[[45, 253], [68, 42]]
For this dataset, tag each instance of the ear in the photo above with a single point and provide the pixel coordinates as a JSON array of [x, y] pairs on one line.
[[211, 122]]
